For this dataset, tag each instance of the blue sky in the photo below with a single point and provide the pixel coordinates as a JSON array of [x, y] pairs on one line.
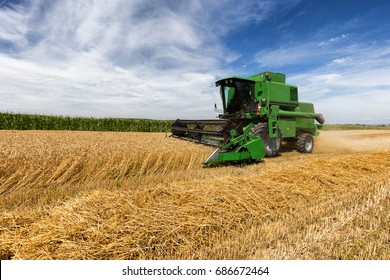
[[159, 58]]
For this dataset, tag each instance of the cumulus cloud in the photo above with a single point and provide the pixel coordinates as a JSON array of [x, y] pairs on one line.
[[155, 59]]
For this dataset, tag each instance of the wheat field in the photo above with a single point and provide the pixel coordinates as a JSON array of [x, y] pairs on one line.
[[117, 195]]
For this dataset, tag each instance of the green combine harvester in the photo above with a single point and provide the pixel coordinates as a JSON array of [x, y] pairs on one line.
[[259, 112]]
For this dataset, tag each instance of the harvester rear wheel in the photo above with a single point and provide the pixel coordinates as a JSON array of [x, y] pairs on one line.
[[305, 143], [272, 146]]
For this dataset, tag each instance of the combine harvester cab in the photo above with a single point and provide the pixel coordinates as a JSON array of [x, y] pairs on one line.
[[259, 112]]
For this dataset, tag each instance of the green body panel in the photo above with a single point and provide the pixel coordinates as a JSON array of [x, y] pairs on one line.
[[277, 92], [306, 121], [288, 127]]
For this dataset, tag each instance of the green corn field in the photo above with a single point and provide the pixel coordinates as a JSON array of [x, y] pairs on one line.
[[12, 121]]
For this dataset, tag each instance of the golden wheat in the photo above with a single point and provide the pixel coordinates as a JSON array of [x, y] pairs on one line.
[[97, 195]]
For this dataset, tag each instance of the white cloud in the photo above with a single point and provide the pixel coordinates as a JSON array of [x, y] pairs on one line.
[[339, 60], [301, 53], [354, 89], [332, 40], [154, 59]]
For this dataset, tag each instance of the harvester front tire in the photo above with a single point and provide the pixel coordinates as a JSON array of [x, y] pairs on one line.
[[271, 148], [305, 143]]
